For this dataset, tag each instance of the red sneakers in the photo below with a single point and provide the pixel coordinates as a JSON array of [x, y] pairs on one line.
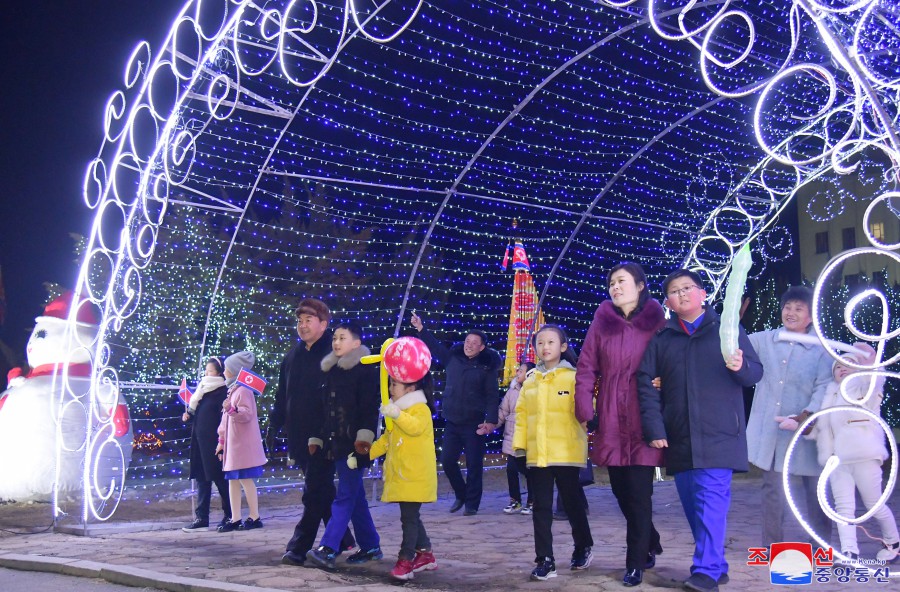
[[424, 560], [403, 570]]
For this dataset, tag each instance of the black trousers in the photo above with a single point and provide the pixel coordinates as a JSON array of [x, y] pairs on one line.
[[459, 438], [515, 465], [318, 495], [566, 479], [204, 496], [633, 488], [414, 536]]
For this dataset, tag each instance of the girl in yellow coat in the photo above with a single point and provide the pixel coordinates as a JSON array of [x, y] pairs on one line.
[[555, 448], [410, 469]]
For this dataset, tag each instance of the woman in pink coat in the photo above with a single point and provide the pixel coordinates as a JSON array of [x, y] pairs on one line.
[[609, 361], [240, 444]]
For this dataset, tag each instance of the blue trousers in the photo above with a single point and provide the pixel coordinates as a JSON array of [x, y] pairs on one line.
[[705, 496], [459, 438], [350, 505]]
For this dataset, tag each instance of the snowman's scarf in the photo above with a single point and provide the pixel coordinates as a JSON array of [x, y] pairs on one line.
[[207, 385]]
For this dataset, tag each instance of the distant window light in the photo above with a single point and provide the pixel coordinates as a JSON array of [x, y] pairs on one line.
[[876, 229], [848, 236], [821, 242]]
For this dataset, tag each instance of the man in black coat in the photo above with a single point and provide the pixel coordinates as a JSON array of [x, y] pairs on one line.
[[469, 405], [295, 411], [697, 416]]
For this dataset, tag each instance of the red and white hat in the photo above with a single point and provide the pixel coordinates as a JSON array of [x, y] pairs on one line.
[[59, 308], [407, 359]]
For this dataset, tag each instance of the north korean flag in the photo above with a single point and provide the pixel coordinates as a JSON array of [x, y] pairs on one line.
[[251, 380], [184, 392]]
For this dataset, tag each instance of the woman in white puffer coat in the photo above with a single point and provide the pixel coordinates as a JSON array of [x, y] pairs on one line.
[[858, 442]]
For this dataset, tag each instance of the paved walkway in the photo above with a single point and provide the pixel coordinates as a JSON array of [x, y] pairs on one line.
[[490, 551]]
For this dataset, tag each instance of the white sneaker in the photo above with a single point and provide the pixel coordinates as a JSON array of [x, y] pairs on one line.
[[514, 507], [888, 553], [527, 510]]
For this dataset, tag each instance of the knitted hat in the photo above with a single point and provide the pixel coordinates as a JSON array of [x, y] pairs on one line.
[[314, 307], [235, 362], [857, 357]]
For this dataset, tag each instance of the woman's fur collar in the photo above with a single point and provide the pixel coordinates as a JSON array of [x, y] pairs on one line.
[[410, 399], [649, 318], [345, 362]]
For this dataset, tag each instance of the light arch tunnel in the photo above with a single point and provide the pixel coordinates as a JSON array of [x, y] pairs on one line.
[[375, 157]]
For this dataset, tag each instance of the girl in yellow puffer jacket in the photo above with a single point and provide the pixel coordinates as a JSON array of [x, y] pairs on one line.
[[410, 469], [555, 448]]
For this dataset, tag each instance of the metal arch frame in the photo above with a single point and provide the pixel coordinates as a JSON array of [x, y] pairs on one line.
[[512, 115]]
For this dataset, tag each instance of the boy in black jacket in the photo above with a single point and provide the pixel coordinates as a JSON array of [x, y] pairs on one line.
[[698, 417], [350, 401]]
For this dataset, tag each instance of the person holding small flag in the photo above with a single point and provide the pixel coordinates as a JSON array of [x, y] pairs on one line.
[[204, 411], [240, 445]]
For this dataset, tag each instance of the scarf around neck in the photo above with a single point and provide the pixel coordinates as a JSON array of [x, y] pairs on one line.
[[207, 385]]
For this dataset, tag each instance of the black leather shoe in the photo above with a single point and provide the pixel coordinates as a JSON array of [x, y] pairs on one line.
[[457, 504], [470, 512], [651, 556], [293, 559], [633, 577], [230, 526]]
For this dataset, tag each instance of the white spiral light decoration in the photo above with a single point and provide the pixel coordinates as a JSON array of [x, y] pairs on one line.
[[152, 129]]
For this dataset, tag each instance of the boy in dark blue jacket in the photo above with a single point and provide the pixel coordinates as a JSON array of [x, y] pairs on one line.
[[697, 416]]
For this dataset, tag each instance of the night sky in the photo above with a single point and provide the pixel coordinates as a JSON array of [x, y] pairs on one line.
[[62, 60]]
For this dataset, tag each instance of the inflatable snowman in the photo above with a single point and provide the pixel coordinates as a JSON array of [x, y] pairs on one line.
[[44, 416]]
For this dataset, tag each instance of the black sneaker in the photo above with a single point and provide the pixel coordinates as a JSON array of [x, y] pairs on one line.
[[196, 525], [323, 557], [230, 526], [366, 556], [250, 523], [546, 569], [581, 558]]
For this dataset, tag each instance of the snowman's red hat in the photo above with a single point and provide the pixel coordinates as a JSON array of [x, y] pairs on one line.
[[60, 306]]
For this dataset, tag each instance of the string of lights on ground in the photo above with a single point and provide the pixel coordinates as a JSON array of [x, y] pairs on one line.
[[376, 157]]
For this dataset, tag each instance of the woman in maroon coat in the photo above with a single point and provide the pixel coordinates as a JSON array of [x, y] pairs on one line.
[[610, 357]]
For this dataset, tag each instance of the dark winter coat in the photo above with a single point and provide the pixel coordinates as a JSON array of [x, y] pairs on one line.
[[700, 409], [612, 353], [204, 438], [348, 403], [471, 393], [299, 381]]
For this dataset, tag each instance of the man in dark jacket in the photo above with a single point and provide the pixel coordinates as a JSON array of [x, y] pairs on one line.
[[697, 417], [469, 405], [295, 410]]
